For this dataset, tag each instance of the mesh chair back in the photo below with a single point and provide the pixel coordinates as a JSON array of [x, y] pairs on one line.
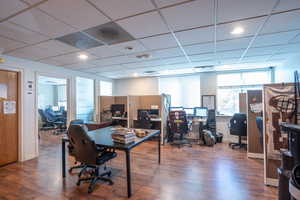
[[238, 124]]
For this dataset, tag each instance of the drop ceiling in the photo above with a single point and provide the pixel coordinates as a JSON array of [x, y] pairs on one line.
[[174, 34]]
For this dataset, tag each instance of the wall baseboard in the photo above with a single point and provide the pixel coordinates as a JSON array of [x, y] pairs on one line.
[[255, 155], [271, 182]]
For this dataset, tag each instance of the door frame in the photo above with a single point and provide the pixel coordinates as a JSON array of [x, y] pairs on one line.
[[20, 106], [68, 91]]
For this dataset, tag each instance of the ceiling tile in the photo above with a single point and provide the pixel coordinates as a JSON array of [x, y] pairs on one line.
[[287, 5], [290, 48], [199, 48], [50, 61], [81, 66], [230, 54], [86, 16], [7, 44], [55, 47], [104, 52], [261, 51], [229, 10], [166, 53], [144, 25], [239, 43], [201, 57], [10, 7], [122, 47], [113, 60], [262, 58], [274, 39], [72, 58], [250, 28], [296, 39], [194, 14], [30, 53], [283, 22], [175, 60], [163, 3], [199, 35], [37, 20], [131, 7], [280, 56], [159, 42], [20, 34]]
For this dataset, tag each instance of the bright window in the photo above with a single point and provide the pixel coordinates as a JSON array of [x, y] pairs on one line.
[[184, 90], [105, 88], [85, 99], [231, 84]]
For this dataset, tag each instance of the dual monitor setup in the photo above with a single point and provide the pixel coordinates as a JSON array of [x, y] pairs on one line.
[[118, 110], [193, 112]]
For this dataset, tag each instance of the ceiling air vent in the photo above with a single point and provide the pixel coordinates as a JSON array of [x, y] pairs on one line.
[[109, 33], [79, 40], [150, 72], [204, 67]]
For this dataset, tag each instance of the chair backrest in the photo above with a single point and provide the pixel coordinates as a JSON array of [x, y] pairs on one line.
[[84, 148], [238, 124], [42, 114], [144, 120], [211, 116], [49, 113], [178, 121], [77, 122]]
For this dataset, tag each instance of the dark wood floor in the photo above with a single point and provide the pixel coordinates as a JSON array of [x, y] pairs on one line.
[[199, 172]]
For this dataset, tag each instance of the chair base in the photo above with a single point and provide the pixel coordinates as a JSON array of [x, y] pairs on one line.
[[237, 145], [94, 178], [181, 143]]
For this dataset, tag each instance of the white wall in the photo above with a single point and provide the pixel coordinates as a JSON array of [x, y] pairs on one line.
[[28, 118], [285, 72], [136, 86]]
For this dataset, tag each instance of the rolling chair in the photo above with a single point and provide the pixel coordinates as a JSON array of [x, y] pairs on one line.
[[86, 151], [238, 126], [178, 128], [144, 120], [59, 121], [46, 123], [211, 121]]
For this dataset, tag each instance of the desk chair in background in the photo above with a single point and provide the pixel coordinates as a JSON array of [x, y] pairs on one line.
[[178, 128], [238, 126], [144, 120], [86, 151]]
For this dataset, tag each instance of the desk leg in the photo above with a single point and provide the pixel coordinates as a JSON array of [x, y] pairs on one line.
[[128, 171], [63, 158], [159, 148]]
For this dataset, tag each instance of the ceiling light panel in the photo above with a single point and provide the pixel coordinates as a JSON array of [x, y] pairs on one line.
[[79, 40], [40, 22], [113, 9], [194, 36], [250, 28], [282, 22], [10, 7], [194, 14], [79, 14], [144, 25], [109, 33], [159, 42], [229, 10], [20, 34]]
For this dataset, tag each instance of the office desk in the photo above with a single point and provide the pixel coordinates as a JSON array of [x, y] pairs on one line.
[[102, 138]]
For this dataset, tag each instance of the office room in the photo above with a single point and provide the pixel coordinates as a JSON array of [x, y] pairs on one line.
[[150, 99]]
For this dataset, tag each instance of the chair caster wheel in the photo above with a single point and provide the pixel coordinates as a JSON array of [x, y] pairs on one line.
[[90, 190]]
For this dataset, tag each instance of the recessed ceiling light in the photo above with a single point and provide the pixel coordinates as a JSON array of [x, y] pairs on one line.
[[135, 74], [143, 56], [237, 31], [83, 56]]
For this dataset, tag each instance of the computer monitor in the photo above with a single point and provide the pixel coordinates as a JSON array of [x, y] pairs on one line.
[[176, 108], [154, 112], [117, 109], [55, 108], [139, 111], [201, 111], [189, 111]]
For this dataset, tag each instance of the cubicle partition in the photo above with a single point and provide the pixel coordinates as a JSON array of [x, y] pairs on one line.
[[254, 109]]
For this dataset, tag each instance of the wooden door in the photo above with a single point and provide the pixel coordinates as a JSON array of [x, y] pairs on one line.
[[8, 117]]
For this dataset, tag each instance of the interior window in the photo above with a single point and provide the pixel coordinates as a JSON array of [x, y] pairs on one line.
[[105, 88]]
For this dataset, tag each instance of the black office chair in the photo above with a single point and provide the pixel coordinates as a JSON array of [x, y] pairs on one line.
[[46, 123], [211, 121], [71, 149], [259, 124], [238, 126], [59, 121], [178, 128], [144, 120], [86, 152]]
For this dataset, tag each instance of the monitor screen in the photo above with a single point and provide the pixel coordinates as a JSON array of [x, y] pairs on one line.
[[117, 108], [189, 111], [201, 112], [55, 108], [153, 112]]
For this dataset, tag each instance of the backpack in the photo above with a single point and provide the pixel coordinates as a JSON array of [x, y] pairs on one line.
[[208, 138]]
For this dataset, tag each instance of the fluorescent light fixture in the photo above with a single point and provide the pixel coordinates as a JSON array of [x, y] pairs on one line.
[[83, 56], [237, 30]]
